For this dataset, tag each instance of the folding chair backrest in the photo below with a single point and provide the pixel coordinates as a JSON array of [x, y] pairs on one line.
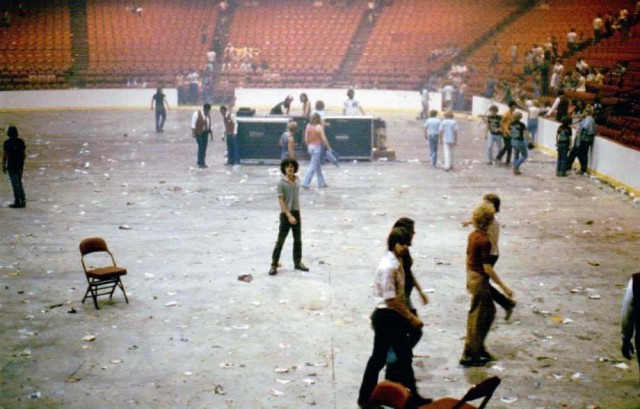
[[92, 245], [483, 389], [391, 394]]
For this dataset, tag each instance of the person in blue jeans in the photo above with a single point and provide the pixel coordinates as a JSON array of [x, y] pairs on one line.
[[315, 139], [159, 102], [431, 127], [518, 132]]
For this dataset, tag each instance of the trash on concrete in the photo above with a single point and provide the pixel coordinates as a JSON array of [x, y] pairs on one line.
[[256, 303], [89, 338], [593, 263], [247, 278], [171, 304], [226, 365], [276, 392], [25, 352], [508, 399], [622, 366], [124, 227], [308, 381], [35, 395], [284, 370], [73, 379], [283, 381], [72, 311], [219, 390]]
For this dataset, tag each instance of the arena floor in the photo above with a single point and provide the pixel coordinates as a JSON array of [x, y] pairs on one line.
[[195, 336]]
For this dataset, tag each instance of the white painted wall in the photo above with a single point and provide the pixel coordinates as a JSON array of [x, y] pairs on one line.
[[83, 98], [372, 101], [618, 164]]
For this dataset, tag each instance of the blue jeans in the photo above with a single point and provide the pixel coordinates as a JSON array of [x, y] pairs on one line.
[[233, 152], [202, 140], [16, 183], [315, 151], [532, 127], [433, 149], [519, 146], [491, 141], [563, 153], [161, 116]]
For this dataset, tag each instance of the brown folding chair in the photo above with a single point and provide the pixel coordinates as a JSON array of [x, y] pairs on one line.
[[102, 280], [396, 396]]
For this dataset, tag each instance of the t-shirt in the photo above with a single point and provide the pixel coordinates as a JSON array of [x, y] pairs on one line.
[[448, 127], [432, 125], [14, 148], [478, 251], [493, 123], [564, 135], [159, 99], [290, 192], [351, 107], [516, 130]]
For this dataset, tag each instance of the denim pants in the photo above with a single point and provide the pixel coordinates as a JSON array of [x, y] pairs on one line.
[[390, 331], [532, 127], [433, 149], [315, 151], [161, 116], [202, 140], [233, 153], [563, 153], [582, 153], [283, 232], [520, 147], [16, 183], [492, 140]]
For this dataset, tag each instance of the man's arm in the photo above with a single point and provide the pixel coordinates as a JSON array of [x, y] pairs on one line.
[[5, 160], [285, 210], [493, 275], [423, 296], [400, 306]]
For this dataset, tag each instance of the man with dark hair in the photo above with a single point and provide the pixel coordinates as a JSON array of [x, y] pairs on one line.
[[201, 130], [13, 163], [289, 199], [159, 100], [583, 141], [282, 108], [392, 320], [231, 135]]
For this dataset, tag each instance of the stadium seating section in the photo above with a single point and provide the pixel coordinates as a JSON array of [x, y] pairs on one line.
[[298, 45]]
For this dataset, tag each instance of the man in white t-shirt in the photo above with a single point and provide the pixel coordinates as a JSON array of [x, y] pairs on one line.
[[351, 106]]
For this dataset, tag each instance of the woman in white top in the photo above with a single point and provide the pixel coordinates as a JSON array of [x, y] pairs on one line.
[[448, 131]]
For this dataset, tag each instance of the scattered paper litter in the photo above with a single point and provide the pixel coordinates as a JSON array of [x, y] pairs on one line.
[[622, 365], [89, 338], [276, 392]]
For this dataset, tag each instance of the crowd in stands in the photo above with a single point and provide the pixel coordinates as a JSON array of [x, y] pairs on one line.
[[565, 91]]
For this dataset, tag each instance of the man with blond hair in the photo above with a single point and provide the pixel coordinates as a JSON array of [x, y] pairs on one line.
[[479, 274]]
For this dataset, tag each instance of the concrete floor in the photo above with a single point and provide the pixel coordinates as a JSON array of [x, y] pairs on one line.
[[194, 336]]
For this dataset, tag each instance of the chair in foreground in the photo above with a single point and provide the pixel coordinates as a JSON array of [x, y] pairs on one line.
[[395, 395], [102, 280]]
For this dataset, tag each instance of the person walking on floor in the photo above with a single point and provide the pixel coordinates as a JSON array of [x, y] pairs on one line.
[[159, 102], [507, 118], [519, 137], [315, 139], [231, 135], [289, 199], [432, 134], [448, 131], [201, 131], [479, 274], [410, 282], [13, 163], [391, 322], [493, 231], [495, 134]]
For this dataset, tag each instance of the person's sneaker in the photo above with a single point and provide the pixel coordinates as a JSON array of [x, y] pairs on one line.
[[273, 270], [487, 357], [516, 171], [509, 311], [301, 267]]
